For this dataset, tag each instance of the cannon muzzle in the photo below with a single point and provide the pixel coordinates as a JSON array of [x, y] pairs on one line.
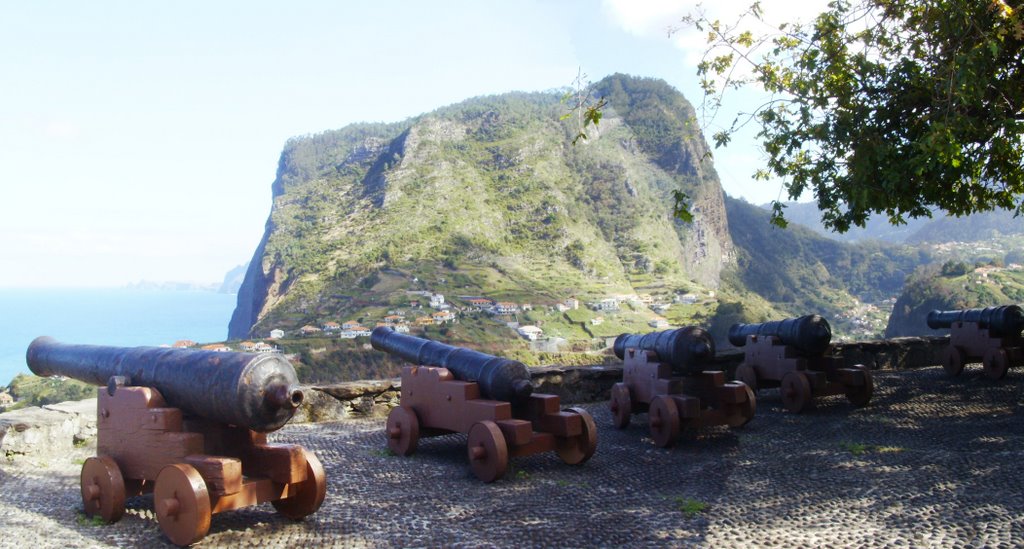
[[809, 334], [499, 378], [257, 391], [1007, 320], [687, 349]]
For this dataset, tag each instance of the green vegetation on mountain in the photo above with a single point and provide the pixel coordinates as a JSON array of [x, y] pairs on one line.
[[489, 198], [31, 390]]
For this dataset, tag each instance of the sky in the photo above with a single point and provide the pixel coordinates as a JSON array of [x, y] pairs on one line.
[[139, 140]]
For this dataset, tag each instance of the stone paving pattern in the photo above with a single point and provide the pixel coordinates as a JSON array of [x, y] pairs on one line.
[[933, 461]]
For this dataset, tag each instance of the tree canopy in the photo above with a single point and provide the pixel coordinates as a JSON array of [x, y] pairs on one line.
[[900, 107]]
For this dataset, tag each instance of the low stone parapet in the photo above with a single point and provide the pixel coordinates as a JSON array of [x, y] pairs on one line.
[[48, 430]]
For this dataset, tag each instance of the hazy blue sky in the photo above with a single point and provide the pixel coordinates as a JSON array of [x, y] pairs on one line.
[[138, 140]]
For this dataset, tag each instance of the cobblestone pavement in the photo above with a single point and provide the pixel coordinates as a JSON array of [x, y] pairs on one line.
[[932, 461]]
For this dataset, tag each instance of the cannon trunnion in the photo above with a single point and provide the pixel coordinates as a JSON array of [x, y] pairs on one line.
[[438, 400], [991, 336], [793, 354], [192, 451], [665, 375]]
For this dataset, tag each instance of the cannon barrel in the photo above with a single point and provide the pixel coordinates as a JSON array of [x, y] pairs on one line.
[[809, 334], [257, 391], [686, 349], [499, 378], [1007, 320]]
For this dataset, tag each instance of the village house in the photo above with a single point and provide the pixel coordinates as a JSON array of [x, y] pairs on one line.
[[597, 320], [309, 330], [659, 323], [262, 347], [607, 304], [6, 399], [561, 307], [392, 319], [526, 307], [424, 321], [572, 303], [219, 347], [436, 301], [276, 333], [402, 328], [505, 308], [349, 324], [331, 326], [479, 303], [247, 346], [531, 333], [184, 344], [443, 316], [415, 304]]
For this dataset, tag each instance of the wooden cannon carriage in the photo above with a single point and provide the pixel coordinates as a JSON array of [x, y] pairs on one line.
[[664, 375], [991, 336], [490, 399], [207, 454], [792, 354]]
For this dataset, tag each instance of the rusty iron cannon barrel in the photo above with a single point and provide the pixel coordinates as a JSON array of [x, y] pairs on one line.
[[809, 334], [1007, 320], [257, 391], [686, 349], [499, 378]]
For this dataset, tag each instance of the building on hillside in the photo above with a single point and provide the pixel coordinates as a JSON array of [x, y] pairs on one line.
[[443, 316], [572, 303], [262, 347], [331, 326], [597, 320], [393, 319], [402, 328], [531, 333], [505, 308], [247, 346], [276, 333], [424, 321], [607, 304], [561, 307], [184, 344], [658, 323], [349, 324], [310, 330], [219, 347], [687, 299], [436, 301], [479, 303]]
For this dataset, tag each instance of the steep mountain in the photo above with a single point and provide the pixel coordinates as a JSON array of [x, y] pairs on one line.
[[233, 279], [488, 197]]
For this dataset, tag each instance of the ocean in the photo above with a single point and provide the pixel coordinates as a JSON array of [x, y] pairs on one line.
[[120, 317]]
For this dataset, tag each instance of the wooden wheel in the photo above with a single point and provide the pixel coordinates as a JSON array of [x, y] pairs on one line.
[[953, 360], [103, 491], [796, 391], [403, 430], [580, 448], [663, 417], [996, 363], [488, 451], [621, 405], [305, 497], [746, 373], [182, 504], [859, 395], [746, 409]]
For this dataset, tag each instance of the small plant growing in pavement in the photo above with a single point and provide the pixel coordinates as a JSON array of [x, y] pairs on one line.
[[690, 507]]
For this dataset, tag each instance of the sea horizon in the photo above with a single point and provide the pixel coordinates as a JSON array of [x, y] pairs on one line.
[[115, 316]]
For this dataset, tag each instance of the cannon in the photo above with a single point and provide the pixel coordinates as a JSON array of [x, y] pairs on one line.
[[809, 334], [189, 427], [991, 335], [794, 355], [667, 375], [448, 389]]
